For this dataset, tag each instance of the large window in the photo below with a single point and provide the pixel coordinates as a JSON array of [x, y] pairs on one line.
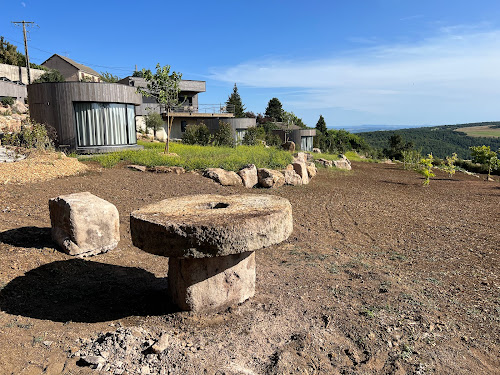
[[306, 143], [104, 124]]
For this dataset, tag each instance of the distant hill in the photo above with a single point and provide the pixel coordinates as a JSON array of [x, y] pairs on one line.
[[440, 140]]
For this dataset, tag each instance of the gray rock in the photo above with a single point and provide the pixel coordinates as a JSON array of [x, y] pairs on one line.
[[269, 178], [211, 225], [223, 177], [301, 169], [324, 162], [140, 168], [316, 150], [292, 178], [83, 224], [93, 360], [248, 175]]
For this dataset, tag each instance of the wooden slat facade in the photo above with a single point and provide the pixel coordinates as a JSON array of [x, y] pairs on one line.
[[52, 103]]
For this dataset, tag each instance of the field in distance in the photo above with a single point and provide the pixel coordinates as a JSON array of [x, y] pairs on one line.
[[481, 131]]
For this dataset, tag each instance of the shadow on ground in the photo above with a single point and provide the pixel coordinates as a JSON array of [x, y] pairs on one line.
[[30, 237], [85, 291]]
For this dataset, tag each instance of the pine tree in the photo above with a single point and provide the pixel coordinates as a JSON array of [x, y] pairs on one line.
[[274, 110], [321, 125], [234, 100]]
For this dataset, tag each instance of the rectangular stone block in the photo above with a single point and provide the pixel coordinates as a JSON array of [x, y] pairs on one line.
[[83, 224], [211, 284]]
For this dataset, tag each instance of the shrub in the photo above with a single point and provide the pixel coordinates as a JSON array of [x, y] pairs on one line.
[[154, 121], [450, 164], [8, 100], [197, 135], [32, 135], [224, 136], [250, 137]]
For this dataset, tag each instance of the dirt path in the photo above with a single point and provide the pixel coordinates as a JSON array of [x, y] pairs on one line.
[[380, 275]]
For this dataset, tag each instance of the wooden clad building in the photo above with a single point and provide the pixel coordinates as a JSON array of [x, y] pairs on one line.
[[88, 117]]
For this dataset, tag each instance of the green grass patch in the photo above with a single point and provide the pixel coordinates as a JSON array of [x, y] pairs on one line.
[[351, 155], [198, 157], [481, 131]]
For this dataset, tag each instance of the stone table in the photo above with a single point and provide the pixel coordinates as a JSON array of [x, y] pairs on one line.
[[211, 242]]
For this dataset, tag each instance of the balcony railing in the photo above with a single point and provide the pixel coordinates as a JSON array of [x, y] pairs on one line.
[[205, 108]]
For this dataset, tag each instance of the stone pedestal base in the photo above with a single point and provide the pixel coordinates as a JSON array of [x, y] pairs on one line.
[[211, 284]]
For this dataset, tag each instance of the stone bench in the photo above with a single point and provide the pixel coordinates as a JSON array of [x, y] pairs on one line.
[[211, 242], [83, 224]]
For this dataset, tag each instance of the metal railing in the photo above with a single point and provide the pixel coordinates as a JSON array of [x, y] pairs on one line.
[[205, 108]]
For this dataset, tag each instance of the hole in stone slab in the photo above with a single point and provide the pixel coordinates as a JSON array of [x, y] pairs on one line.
[[216, 205]]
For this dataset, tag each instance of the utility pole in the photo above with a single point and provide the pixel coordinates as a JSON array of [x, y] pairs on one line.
[[25, 47]]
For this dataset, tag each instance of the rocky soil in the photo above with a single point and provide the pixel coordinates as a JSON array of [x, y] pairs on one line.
[[380, 276]]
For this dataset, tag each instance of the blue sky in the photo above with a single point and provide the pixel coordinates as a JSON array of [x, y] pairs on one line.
[[355, 62]]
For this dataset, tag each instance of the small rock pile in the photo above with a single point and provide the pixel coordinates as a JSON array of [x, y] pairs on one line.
[[134, 351], [299, 172]]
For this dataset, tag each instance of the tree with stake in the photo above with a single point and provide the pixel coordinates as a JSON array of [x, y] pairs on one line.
[[164, 87], [484, 155]]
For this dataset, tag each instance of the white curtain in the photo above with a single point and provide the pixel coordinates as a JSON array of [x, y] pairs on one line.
[[306, 143], [105, 124]]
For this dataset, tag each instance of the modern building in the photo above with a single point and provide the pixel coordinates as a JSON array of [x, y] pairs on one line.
[[71, 70], [88, 117], [303, 138], [189, 112]]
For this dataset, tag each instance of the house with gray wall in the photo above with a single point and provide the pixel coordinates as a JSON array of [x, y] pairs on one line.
[[303, 138], [190, 112]]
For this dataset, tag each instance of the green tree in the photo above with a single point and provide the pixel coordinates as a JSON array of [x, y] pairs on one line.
[[108, 77], [197, 134], [425, 169], [234, 101], [274, 110], [10, 55], [483, 155], [224, 135], [251, 136], [321, 125], [163, 86], [154, 121], [396, 147], [52, 75]]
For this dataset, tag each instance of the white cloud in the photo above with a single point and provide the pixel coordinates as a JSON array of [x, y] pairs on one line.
[[458, 70]]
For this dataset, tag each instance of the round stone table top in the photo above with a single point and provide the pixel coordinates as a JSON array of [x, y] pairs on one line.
[[201, 226]]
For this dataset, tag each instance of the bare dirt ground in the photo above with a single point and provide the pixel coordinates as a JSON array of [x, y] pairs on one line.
[[380, 276]]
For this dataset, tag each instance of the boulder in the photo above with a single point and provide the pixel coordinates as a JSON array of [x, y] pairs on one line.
[[83, 224], [324, 162], [163, 169], [269, 178], [343, 163], [301, 169], [311, 170], [316, 150], [289, 167], [248, 175], [300, 157], [140, 168], [289, 146], [292, 178], [223, 177], [19, 107]]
